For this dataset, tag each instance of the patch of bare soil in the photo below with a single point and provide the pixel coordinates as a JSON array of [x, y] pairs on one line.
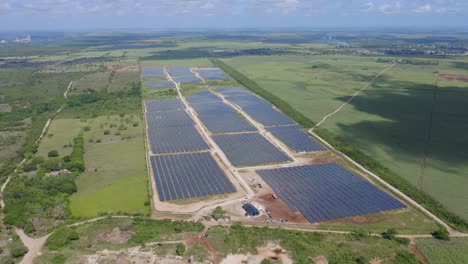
[[115, 236], [5, 108], [320, 259], [375, 261], [418, 253], [271, 251], [448, 77], [134, 68], [279, 209]]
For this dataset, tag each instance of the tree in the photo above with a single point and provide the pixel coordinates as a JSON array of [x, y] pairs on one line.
[[390, 234], [31, 166], [17, 249], [52, 154], [180, 249], [441, 234], [218, 213]]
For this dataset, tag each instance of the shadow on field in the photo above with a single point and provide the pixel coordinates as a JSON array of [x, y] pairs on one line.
[[403, 123]]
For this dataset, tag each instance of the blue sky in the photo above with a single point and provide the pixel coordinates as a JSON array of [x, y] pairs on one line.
[[100, 14]]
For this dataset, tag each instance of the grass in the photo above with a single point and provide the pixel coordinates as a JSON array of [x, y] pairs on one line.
[[98, 81], [60, 134], [444, 252], [123, 81], [115, 166], [388, 121]]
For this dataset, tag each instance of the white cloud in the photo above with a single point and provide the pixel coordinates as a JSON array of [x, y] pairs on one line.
[[423, 8]]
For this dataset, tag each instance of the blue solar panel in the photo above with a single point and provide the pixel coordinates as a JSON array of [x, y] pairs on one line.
[[190, 175], [204, 96], [160, 85], [176, 139], [179, 71], [249, 149], [152, 72], [166, 104], [233, 91], [225, 122], [213, 107], [249, 101], [327, 191], [296, 139], [268, 116], [172, 118], [212, 73], [188, 79]]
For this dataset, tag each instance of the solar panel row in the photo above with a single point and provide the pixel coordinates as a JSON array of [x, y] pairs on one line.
[[233, 91], [203, 96], [188, 79], [327, 191], [211, 73], [249, 149], [188, 175], [160, 85], [219, 117], [296, 139], [170, 118], [176, 139], [166, 104], [260, 110], [152, 72], [177, 71]]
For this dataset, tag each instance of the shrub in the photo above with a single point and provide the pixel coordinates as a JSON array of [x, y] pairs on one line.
[[218, 213], [7, 260], [98, 140], [390, 234], [29, 167], [135, 124], [180, 249], [52, 154], [67, 158], [61, 237], [17, 249], [38, 160], [87, 128], [441, 234], [106, 132]]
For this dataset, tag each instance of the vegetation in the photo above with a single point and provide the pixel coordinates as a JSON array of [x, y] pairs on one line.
[[180, 249], [441, 252], [218, 213], [441, 234], [61, 237]]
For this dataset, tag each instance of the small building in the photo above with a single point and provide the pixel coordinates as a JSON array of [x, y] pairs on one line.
[[250, 210]]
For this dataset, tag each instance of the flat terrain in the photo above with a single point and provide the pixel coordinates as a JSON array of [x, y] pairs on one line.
[[444, 252], [116, 165], [390, 121]]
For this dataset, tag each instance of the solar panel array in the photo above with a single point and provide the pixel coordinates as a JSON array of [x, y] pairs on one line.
[[233, 91], [188, 175], [296, 139], [203, 96], [176, 139], [153, 72], [171, 118], [211, 73], [166, 104], [260, 110], [327, 191], [160, 85], [177, 71], [249, 149], [219, 117], [187, 79]]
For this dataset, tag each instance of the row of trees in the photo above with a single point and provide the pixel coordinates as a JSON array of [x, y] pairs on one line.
[[386, 174]]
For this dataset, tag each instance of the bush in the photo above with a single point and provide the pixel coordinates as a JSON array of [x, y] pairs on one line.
[[218, 213], [390, 234], [7, 260], [61, 237], [29, 167], [180, 249], [402, 240], [98, 140], [106, 132], [441, 234], [17, 249], [405, 257], [67, 158], [59, 259], [52, 154]]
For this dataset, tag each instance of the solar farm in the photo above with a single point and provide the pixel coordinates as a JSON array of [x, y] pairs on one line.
[[153, 72], [328, 191], [249, 132]]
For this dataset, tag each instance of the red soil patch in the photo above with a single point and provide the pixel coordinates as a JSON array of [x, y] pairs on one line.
[[135, 68], [323, 159], [448, 77], [418, 253], [200, 238], [279, 209]]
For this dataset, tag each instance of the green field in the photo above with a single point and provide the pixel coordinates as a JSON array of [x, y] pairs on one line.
[[444, 252], [123, 81], [389, 121], [115, 179]]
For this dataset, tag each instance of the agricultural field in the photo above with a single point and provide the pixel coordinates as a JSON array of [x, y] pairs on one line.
[[438, 252], [388, 121], [94, 82]]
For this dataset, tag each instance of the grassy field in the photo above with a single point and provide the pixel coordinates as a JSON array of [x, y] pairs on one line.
[[98, 81], [444, 252], [123, 81], [115, 179], [389, 121]]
